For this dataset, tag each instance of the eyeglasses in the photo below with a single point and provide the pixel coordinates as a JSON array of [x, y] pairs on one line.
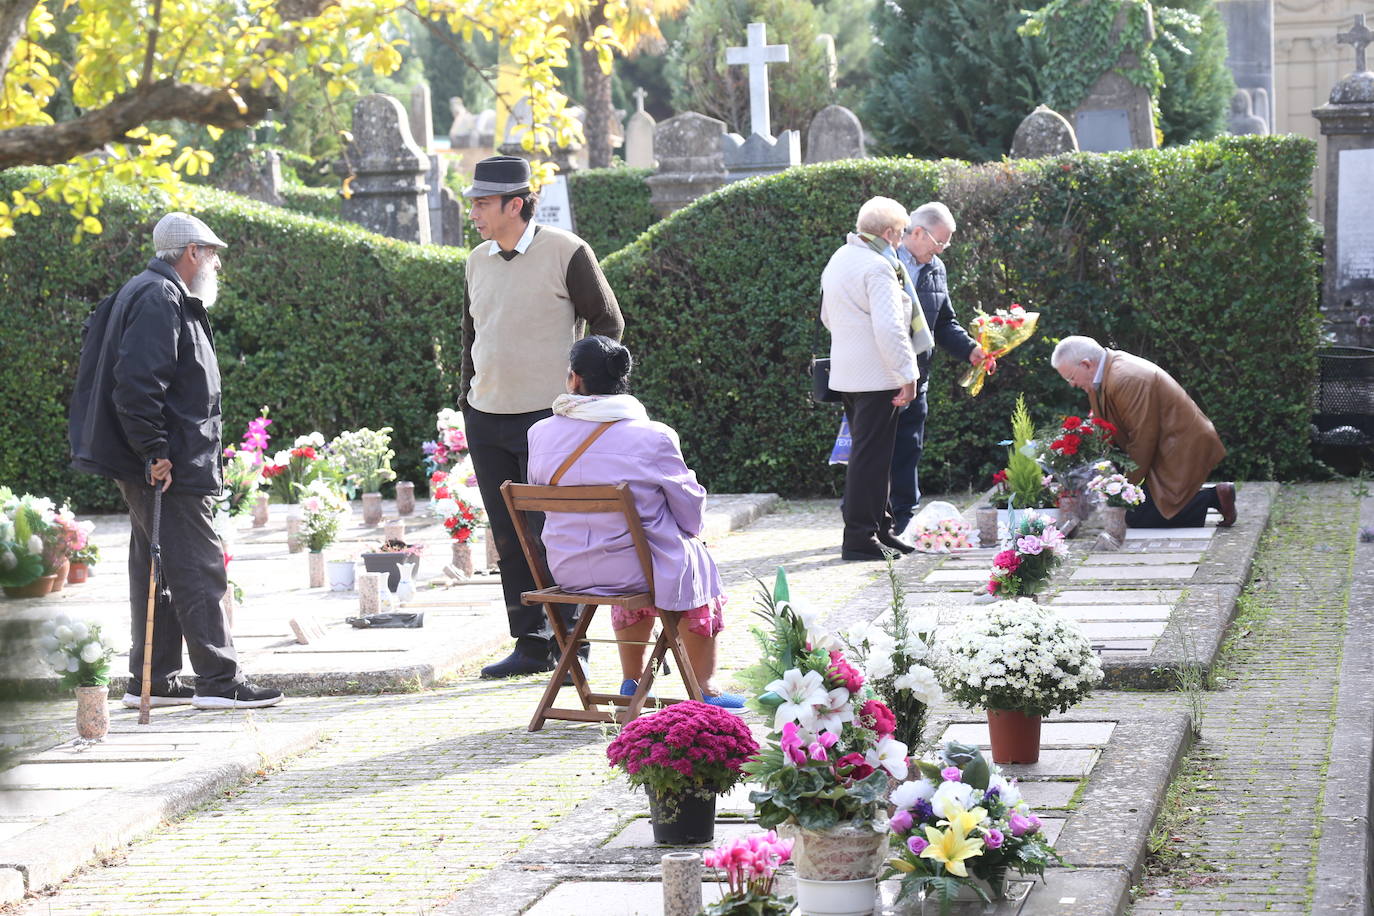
[[939, 245]]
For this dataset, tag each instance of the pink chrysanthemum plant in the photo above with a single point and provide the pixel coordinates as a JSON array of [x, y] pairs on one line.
[[960, 821], [827, 759], [686, 748], [748, 866]]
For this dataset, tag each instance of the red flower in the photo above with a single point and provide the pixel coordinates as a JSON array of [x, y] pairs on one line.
[[860, 769], [843, 673], [993, 585], [441, 492], [882, 719], [304, 452], [995, 319], [462, 534], [438, 477], [1103, 424], [1067, 444], [1009, 560], [450, 522], [1000, 476], [1072, 422]]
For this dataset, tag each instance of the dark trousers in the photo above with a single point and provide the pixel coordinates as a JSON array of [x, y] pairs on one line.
[[193, 585], [1193, 515], [500, 450], [905, 482], [873, 428]]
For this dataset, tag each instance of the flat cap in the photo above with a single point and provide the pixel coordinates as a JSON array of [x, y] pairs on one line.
[[177, 230]]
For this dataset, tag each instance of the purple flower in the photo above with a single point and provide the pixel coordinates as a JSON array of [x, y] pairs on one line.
[[901, 821], [993, 839], [428, 447], [816, 751], [922, 810], [1023, 824], [951, 774], [1363, 321], [992, 793], [917, 845]]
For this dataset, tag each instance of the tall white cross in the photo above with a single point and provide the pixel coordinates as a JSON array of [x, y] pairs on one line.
[[757, 56]]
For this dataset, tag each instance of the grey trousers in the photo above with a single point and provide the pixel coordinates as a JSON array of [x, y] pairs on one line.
[[193, 585]]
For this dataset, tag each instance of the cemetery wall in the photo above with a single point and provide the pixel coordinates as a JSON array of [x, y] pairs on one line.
[[1200, 258], [330, 326]]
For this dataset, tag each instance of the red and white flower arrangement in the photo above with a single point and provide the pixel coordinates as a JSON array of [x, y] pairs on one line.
[[461, 511]]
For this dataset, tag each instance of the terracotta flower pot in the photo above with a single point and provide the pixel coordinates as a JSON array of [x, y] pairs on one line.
[[92, 712], [78, 573], [60, 574], [1015, 736], [462, 557], [38, 588], [372, 509]]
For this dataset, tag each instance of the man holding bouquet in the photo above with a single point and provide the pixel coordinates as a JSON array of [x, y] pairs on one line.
[[1173, 444]]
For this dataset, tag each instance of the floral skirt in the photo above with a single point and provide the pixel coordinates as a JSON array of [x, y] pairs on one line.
[[705, 621]]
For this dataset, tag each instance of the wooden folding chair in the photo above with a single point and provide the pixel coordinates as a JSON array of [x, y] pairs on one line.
[[522, 498]]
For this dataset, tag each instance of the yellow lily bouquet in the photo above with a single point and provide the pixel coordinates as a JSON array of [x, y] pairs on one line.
[[960, 826], [998, 334]]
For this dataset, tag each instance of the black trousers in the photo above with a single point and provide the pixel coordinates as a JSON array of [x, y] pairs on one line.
[[873, 428], [905, 483], [500, 450], [1193, 515], [194, 583]]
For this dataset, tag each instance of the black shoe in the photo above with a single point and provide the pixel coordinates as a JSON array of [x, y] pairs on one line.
[[869, 551], [893, 542], [240, 696], [177, 694], [516, 664]]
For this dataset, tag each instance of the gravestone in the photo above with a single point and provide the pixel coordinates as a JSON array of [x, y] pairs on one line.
[[555, 207], [690, 161], [832, 61], [1250, 51], [387, 190], [254, 173], [445, 210], [1043, 132], [1347, 121], [639, 135], [761, 153], [421, 116], [462, 131], [1117, 114], [835, 133], [1243, 120]]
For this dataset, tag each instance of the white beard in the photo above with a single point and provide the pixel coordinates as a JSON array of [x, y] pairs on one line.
[[205, 284]]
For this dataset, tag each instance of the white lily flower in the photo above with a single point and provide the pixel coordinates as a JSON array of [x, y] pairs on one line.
[[890, 754], [833, 711], [801, 694], [950, 797]]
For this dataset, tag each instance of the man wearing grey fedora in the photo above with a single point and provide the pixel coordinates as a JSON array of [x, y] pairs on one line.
[[531, 292], [146, 413]]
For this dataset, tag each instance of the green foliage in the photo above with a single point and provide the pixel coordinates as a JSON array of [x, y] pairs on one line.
[[1081, 44], [1024, 476], [379, 348], [321, 203], [611, 207], [703, 82], [1197, 84], [720, 303], [951, 77]]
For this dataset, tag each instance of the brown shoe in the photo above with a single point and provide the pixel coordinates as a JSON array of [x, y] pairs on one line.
[[1226, 502]]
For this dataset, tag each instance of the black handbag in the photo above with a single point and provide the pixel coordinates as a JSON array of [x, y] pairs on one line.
[[820, 382]]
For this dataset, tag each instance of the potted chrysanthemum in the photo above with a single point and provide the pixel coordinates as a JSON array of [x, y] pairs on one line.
[[683, 756], [1019, 661]]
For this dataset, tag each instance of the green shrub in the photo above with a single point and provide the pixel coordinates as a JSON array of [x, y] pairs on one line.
[[611, 207], [321, 203], [330, 326], [1196, 257]]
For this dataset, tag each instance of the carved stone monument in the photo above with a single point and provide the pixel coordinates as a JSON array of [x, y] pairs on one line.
[[1117, 114], [1043, 132], [1347, 121], [835, 133], [690, 161], [421, 116], [1243, 119], [387, 193], [639, 135], [761, 153], [1250, 51], [254, 173]]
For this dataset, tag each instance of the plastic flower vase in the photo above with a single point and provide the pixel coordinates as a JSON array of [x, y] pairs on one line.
[[682, 819], [78, 573], [1015, 736]]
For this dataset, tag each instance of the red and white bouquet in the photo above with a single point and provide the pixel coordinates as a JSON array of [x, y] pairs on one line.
[[461, 510], [998, 334]]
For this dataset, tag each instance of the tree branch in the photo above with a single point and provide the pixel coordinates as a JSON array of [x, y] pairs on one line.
[[151, 50], [14, 19], [49, 144]]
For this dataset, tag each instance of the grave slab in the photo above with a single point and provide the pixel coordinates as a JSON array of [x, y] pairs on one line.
[[1086, 612], [44, 802], [1142, 572], [1100, 631], [1049, 794], [639, 834], [79, 775], [610, 898], [1113, 596], [1052, 734], [1141, 557], [1173, 534], [14, 828], [1053, 763], [970, 574]]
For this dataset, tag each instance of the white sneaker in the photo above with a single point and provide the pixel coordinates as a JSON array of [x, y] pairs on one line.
[[179, 697], [240, 696]]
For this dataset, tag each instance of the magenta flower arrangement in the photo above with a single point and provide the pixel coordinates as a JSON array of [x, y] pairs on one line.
[[686, 746], [748, 866]]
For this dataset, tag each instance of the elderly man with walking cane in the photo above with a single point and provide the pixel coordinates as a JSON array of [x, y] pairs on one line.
[[146, 413]]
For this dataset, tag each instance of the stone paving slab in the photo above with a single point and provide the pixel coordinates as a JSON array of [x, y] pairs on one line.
[[1136, 573]]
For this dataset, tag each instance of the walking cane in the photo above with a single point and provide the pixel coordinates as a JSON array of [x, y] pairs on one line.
[[145, 698]]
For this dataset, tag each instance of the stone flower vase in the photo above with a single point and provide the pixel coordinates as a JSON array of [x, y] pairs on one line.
[[1114, 521], [294, 542], [1015, 736], [60, 572], [92, 712], [405, 497], [372, 509], [462, 557], [316, 560], [987, 526], [260, 503], [837, 869], [493, 558]]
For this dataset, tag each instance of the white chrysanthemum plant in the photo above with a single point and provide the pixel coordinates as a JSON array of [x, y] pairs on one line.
[[832, 748], [75, 651], [1017, 655]]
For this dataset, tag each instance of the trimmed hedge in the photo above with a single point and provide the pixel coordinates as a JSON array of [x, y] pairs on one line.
[[611, 207], [1196, 257], [322, 203], [328, 325]]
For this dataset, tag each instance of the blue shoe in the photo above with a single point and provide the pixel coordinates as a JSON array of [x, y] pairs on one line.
[[628, 688], [724, 700]]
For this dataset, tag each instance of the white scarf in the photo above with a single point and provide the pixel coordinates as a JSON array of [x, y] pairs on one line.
[[599, 407]]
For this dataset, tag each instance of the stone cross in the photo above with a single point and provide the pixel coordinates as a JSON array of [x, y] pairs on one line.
[[1359, 36], [639, 95], [757, 55]]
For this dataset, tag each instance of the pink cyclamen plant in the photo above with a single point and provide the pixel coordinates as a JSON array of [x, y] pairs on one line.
[[749, 866]]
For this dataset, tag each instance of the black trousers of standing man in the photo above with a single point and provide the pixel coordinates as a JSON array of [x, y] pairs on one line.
[[873, 428]]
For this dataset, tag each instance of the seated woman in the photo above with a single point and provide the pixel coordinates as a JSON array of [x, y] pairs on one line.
[[593, 553]]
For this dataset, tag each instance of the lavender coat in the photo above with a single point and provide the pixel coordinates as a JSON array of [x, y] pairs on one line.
[[594, 553]]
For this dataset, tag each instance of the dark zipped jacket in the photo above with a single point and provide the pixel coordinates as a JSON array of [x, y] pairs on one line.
[[148, 386]]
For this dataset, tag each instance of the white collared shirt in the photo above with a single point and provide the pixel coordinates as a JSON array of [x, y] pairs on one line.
[[1101, 366], [520, 246]]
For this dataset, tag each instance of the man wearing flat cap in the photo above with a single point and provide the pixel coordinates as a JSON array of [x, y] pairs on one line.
[[146, 413], [532, 291]]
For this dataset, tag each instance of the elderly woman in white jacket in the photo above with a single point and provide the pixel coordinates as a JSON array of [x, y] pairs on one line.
[[868, 311]]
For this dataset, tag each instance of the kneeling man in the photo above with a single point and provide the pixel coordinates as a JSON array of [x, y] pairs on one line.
[[1171, 441]]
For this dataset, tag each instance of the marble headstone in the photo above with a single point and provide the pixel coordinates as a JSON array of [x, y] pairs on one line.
[[388, 191], [760, 153], [421, 116], [639, 136], [835, 133], [1043, 132], [555, 207]]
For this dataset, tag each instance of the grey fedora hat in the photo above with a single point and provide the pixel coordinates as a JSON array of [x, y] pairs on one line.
[[177, 230], [499, 175]]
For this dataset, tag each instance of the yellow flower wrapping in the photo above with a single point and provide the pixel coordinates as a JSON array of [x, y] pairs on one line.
[[997, 341]]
